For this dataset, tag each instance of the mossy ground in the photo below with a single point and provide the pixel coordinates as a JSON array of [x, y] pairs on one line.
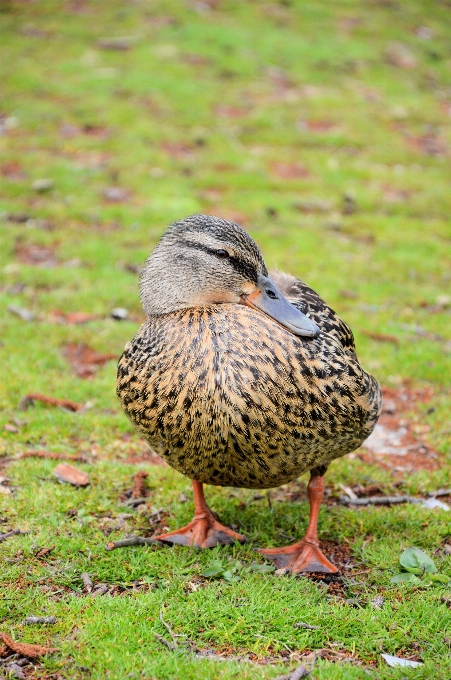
[[268, 113]]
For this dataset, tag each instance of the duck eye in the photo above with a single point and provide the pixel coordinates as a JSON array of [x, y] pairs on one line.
[[222, 254]]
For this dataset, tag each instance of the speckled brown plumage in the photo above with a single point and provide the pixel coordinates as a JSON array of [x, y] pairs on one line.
[[229, 397], [226, 394]]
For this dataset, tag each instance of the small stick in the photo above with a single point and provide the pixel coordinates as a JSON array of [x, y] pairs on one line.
[[39, 619], [301, 624], [134, 502], [51, 456], [381, 337], [13, 532], [88, 584], [30, 651], [28, 400], [163, 640], [379, 500], [168, 627], [134, 540], [439, 492], [139, 485]]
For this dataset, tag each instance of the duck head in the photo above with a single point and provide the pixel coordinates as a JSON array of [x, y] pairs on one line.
[[204, 260]]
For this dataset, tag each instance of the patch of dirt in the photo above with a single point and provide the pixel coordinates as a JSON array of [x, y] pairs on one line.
[[398, 444], [178, 150], [289, 170], [70, 318], [39, 256], [318, 126], [224, 111], [84, 360]]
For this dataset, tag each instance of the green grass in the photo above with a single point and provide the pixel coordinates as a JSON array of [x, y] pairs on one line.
[[194, 117]]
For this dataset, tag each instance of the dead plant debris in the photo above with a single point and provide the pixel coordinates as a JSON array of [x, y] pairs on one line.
[[29, 399], [397, 442], [67, 473], [84, 360], [24, 649]]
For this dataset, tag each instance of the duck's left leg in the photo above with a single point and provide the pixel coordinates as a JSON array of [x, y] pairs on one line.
[[204, 530], [306, 554]]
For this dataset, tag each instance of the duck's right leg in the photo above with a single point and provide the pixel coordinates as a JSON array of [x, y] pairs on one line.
[[204, 531]]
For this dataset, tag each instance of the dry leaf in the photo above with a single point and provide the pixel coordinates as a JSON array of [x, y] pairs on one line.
[[71, 475]]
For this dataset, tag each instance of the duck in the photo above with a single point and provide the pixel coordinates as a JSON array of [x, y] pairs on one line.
[[241, 378]]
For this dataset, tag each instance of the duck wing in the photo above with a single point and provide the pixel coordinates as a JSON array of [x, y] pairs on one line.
[[310, 303]]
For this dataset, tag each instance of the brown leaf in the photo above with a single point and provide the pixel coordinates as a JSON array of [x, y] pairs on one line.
[[288, 170], [40, 256], [71, 318], [85, 360], [30, 651], [319, 126], [28, 400], [71, 475], [398, 54], [225, 111], [381, 337], [116, 194], [178, 150]]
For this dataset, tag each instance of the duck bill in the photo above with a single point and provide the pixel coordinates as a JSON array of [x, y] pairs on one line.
[[268, 299]]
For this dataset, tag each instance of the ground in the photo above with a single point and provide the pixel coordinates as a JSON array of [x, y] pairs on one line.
[[324, 129]]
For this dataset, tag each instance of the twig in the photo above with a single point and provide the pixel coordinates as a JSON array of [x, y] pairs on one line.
[[379, 500], [126, 542], [51, 456], [381, 337], [301, 624], [39, 619], [13, 532], [439, 492], [87, 582], [139, 484], [168, 644], [134, 502], [30, 651], [168, 628], [29, 399]]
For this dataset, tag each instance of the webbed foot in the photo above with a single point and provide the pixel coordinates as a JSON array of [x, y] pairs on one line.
[[300, 557], [204, 531]]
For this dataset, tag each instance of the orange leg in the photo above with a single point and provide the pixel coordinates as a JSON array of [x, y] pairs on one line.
[[306, 554], [204, 531]]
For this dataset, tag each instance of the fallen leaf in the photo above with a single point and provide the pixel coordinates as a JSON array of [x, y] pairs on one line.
[[71, 475], [116, 194], [398, 54], [224, 111], [289, 170], [381, 337], [119, 44], [85, 360], [41, 256]]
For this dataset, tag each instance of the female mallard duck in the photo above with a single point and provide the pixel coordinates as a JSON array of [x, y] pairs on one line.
[[238, 378]]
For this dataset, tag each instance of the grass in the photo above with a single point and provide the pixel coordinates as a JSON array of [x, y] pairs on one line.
[[268, 113]]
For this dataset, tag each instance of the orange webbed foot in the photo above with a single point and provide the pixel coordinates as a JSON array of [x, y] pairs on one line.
[[304, 556], [204, 531]]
